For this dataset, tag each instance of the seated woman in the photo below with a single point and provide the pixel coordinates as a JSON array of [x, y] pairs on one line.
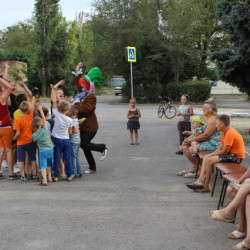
[[226, 214], [209, 140], [240, 231]]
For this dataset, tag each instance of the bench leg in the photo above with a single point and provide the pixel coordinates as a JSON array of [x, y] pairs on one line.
[[224, 186], [199, 163], [225, 191], [214, 182]]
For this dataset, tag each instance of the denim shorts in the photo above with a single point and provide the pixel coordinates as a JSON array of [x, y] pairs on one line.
[[46, 158], [31, 150], [230, 158]]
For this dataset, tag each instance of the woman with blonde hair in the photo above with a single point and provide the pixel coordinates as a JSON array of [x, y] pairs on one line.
[[209, 140]]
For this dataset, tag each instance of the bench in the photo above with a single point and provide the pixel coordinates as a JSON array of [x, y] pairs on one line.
[[227, 168], [227, 179]]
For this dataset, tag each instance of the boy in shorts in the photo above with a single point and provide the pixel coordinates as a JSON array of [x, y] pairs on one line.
[[46, 147], [231, 150], [23, 136]]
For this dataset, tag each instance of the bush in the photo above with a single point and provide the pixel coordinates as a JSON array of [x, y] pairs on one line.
[[198, 91], [138, 93]]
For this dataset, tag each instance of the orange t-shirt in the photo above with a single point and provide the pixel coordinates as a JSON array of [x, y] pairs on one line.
[[24, 124], [234, 139]]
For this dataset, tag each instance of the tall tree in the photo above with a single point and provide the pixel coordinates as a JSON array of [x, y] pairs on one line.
[[233, 63], [54, 45]]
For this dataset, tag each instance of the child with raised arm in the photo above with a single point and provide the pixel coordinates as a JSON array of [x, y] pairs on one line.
[[133, 124], [61, 132], [46, 147], [6, 131], [23, 136]]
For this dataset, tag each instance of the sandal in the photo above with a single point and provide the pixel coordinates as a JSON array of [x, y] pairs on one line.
[[43, 184], [194, 186], [242, 245], [69, 179], [236, 235], [215, 215], [179, 152], [202, 191], [55, 179]]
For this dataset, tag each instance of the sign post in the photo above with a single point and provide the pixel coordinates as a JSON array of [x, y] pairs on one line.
[[131, 57]]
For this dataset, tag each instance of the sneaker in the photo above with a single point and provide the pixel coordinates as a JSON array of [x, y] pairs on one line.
[[29, 176], [181, 173], [4, 164], [104, 154], [24, 180], [89, 171], [1, 175], [189, 175], [12, 177], [62, 177], [73, 176], [16, 170], [79, 176], [35, 178]]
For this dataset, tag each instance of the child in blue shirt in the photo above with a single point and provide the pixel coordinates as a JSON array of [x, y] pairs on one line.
[[46, 147]]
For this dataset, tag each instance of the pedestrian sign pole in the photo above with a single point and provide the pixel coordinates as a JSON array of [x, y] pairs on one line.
[[131, 57]]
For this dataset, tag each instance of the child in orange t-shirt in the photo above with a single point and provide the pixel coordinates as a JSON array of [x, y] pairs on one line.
[[23, 135], [231, 150]]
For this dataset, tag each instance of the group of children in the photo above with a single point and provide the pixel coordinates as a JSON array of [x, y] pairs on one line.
[[29, 131]]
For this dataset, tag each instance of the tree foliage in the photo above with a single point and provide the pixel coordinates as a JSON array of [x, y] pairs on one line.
[[173, 40], [233, 63]]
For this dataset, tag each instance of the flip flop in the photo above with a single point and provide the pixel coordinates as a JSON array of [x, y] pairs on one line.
[[242, 245], [236, 235], [194, 186], [215, 215]]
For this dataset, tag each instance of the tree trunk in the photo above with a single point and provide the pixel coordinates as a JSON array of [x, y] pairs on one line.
[[44, 78]]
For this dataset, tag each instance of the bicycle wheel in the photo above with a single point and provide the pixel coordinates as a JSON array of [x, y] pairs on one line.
[[161, 111], [170, 112]]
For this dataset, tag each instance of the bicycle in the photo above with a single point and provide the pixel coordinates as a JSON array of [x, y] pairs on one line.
[[167, 109]]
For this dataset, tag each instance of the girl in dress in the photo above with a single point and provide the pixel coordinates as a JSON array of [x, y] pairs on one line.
[[184, 112], [133, 124]]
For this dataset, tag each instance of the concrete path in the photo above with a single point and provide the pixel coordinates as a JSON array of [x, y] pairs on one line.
[[134, 201]]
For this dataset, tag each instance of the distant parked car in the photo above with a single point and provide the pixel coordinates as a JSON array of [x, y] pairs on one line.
[[118, 90]]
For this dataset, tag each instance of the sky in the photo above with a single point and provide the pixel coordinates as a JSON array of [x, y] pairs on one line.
[[11, 12]]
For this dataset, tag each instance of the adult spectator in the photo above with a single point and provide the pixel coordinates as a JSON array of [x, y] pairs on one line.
[[208, 140], [227, 214]]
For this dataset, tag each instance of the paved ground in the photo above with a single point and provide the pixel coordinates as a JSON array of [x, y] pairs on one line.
[[134, 201]]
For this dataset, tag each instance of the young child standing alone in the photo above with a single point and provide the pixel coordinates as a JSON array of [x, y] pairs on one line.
[[133, 124], [42, 137], [184, 112]]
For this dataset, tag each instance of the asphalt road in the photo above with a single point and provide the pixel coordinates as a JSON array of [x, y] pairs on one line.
[[134, 201]]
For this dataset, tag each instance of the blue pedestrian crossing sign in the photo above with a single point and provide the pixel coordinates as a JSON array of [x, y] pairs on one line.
[[131, 54]]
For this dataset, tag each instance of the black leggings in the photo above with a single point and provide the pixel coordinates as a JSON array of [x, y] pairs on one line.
[[87, 147]]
